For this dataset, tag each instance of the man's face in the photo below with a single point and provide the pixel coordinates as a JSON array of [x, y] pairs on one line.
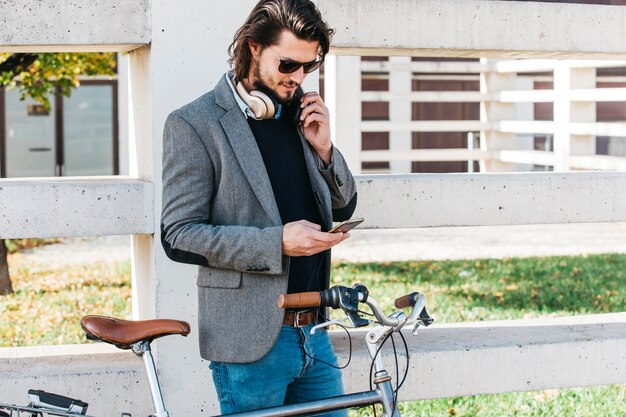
[[264, 71]]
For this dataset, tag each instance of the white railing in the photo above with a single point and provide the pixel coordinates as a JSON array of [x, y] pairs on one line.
[[563, 128]]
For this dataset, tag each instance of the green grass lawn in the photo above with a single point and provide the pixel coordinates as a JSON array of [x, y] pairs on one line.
[[47, 306], [496, 289]]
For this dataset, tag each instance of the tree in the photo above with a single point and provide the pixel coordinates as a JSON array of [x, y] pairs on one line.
[[40, 76], [5, 279]]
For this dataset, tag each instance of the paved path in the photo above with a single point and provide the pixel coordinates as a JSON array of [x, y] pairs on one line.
[[399, 244], [482, 242], [80, 250]]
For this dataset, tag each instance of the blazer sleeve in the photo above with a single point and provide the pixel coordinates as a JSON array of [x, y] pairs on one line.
[[341, 185], [187, 234]]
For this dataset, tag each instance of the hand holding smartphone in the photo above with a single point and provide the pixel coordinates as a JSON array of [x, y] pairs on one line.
[[346, 226]]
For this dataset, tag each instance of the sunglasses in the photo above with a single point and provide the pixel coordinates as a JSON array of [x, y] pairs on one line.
[[287, 66]]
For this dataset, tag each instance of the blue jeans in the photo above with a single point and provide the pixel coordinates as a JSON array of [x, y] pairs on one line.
[[286, 375]]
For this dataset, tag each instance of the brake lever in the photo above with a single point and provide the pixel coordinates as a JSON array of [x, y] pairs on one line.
[[422, 321], [418, 324], [356, 320], [328, 324]]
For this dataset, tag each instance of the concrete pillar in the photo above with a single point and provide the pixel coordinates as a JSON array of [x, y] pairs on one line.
[[566, 112], [186, 58], [123, 111], [583, 111], [400, 111], [140, 150], [524, 111], [493, 111], [562, 116], [342, 85]]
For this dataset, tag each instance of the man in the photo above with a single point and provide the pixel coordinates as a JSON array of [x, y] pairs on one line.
[[248, 194]]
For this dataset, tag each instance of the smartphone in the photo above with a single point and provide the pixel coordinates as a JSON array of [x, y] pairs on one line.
[[346, 226]]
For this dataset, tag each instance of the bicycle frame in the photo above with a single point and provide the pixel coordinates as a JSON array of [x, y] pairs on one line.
[[382, 394]]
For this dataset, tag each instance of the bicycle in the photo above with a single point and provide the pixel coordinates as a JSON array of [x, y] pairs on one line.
[[137, 336]]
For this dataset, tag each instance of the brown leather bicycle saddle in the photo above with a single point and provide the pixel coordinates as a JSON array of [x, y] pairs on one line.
[[124, 333]]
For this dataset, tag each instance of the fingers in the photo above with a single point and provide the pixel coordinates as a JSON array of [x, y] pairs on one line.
[[325, 237], [310, 97], [312, 103], [303, 238], [315, 121], [314, 113], [309, 224]]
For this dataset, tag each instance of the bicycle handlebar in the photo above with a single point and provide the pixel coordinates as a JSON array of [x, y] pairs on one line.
[[299, 300], [406, 301], [348, 298], [334, 297]]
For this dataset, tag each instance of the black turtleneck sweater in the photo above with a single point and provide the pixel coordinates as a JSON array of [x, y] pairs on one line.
[[283, 156]]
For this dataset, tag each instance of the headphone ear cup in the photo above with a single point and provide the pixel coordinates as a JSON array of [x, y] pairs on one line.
[[256, 103], [258, 107], [269, 105]]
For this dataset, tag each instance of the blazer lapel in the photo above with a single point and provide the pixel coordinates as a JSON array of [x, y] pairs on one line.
[[246, 150], [318, 184]]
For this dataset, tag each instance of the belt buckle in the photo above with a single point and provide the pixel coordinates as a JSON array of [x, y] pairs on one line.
[[296, 317]]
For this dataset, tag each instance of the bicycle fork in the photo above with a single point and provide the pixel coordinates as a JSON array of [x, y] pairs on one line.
[[382, 379]]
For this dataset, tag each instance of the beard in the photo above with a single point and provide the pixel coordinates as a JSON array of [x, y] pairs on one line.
[[262, 85]]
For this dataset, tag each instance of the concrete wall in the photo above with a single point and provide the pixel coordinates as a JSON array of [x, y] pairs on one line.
[[80, 25], [476, 28], [183, 54], [446, 360], [75, 206], [109, 380], [459, 359]]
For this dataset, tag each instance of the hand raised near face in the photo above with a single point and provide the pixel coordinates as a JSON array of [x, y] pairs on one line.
[[316, 124]]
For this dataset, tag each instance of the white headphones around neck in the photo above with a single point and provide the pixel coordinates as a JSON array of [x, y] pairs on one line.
[[263, 106]]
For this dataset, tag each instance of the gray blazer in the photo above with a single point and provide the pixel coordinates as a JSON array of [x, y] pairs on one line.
[[219, 212]]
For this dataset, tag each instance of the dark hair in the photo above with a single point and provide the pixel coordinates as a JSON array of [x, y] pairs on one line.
[[265, 24]]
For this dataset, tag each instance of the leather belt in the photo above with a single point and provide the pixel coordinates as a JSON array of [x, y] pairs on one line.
[[300, 318]]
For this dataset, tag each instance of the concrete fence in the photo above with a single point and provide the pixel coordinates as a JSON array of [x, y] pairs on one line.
[[178, 51]]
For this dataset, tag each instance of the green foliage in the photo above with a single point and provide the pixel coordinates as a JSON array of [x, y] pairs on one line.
[[16, 245], [38, 75]]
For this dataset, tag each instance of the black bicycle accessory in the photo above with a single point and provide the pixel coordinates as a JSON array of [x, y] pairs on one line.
[[348, 300], [47, 400], [426, 319], [409, 300], [92, 337]]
